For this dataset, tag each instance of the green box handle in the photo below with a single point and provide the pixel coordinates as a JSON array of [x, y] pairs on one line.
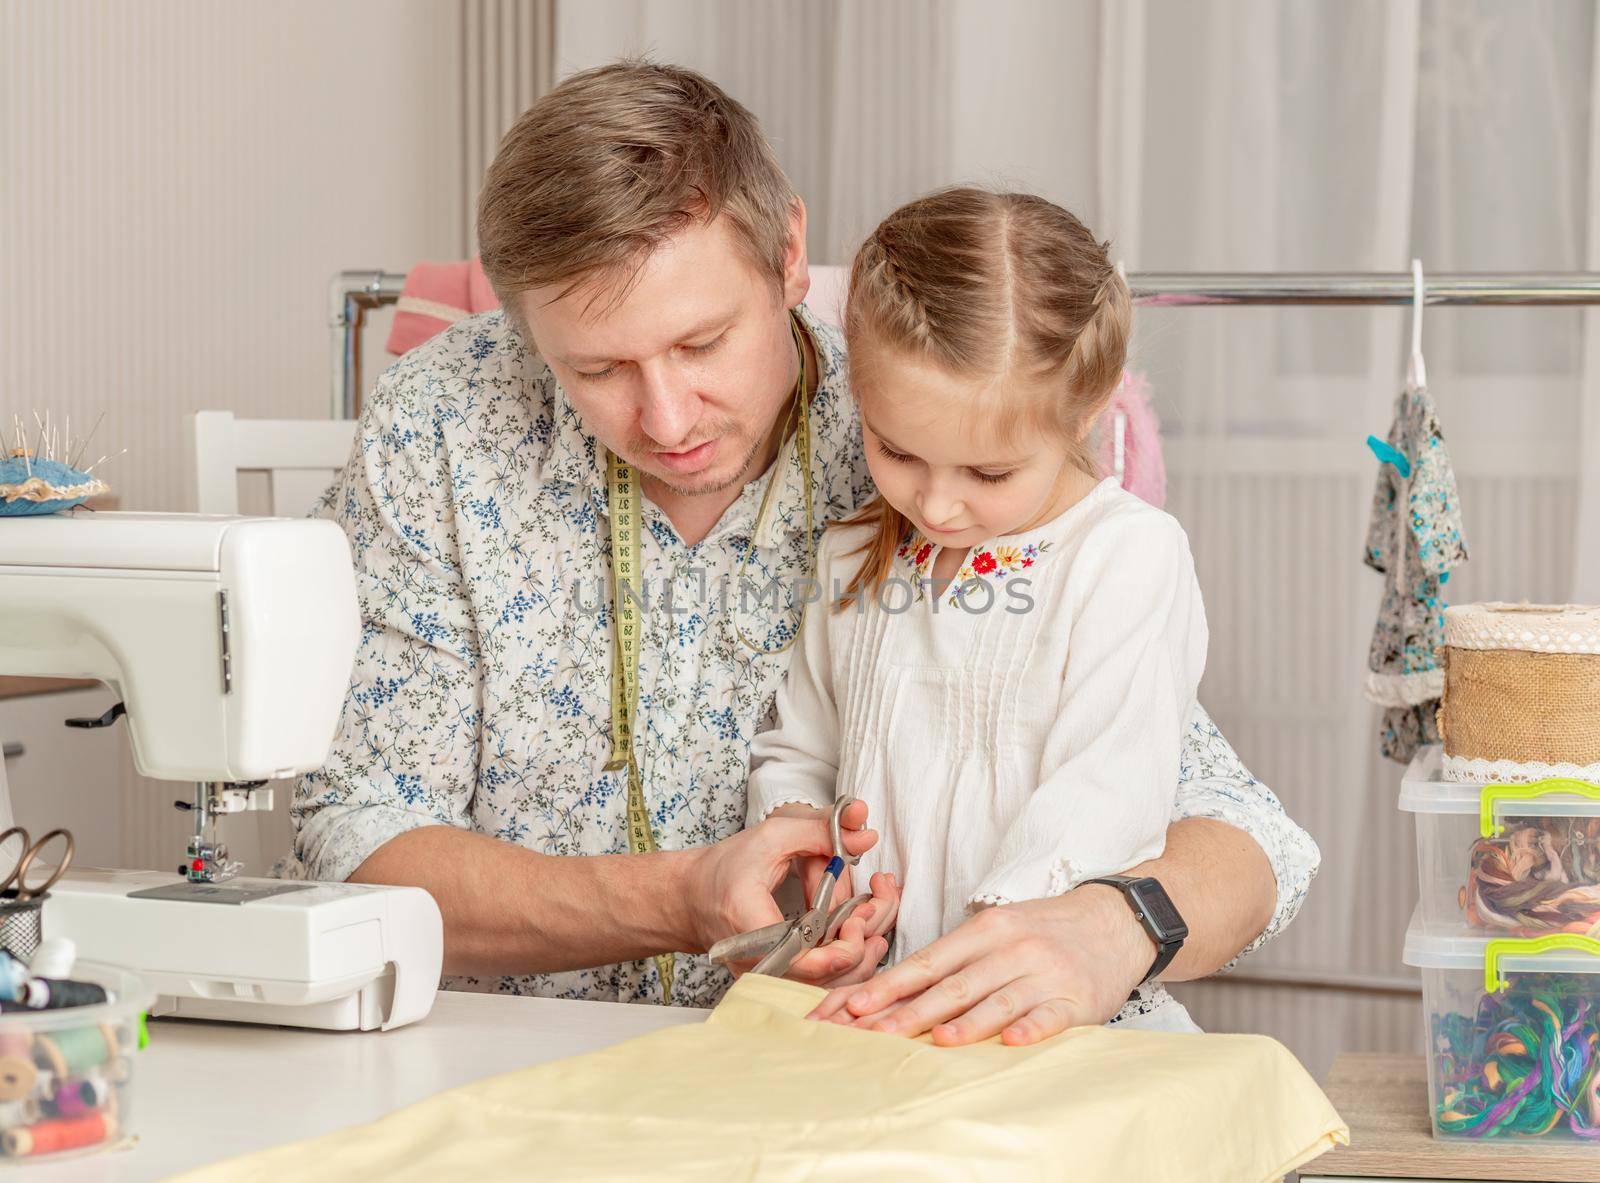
[[1493, 795], [1500, 947]]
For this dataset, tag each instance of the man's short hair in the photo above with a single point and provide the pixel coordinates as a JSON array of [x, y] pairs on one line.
[[608, 165]]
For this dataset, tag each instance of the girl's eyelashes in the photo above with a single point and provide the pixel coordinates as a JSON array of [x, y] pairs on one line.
[[988, 478], [597, 376], [708, 346]]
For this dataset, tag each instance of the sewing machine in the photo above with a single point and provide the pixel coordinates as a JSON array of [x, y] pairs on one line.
[[229, 642]]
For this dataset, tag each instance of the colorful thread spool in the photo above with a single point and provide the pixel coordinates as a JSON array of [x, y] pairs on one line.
[[80, 1095], [73, 1052], [61, 1133]]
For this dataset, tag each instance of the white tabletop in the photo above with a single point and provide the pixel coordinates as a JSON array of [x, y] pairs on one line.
[[206, 1091]]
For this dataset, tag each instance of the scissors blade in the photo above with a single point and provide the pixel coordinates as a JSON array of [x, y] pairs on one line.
[[755, 943], [804, 935]]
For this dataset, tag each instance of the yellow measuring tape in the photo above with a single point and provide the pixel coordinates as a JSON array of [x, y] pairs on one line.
[[622, 487], [623, 499]]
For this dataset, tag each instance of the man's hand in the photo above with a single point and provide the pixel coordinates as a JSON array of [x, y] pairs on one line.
[[808, 868], [733, 881], [853, 955], [1024, 971]]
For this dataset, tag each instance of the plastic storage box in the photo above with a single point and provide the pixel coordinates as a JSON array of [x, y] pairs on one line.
[[1513, 1032], [1511, 860], [66, 1076]]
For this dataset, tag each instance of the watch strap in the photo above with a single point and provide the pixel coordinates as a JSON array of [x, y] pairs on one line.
[[1166, 946]]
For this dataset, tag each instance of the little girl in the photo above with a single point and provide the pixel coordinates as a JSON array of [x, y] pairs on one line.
[[1007, 649]]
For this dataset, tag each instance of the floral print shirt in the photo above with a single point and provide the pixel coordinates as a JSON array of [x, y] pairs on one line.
[[475, 505]]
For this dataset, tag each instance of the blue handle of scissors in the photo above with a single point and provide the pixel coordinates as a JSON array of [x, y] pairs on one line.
[[835, 867]]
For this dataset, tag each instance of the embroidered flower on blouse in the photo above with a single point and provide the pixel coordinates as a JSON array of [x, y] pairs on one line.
[[993, 563]]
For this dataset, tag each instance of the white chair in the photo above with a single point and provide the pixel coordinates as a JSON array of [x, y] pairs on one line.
[[301, 457]]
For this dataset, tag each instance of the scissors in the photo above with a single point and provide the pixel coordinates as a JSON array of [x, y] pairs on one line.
[[19, 870], [784, 941]]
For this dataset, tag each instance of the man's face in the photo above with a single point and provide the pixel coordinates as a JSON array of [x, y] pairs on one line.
[[686, 376]]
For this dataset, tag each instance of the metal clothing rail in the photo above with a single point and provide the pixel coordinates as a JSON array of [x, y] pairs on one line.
[[351, 293]]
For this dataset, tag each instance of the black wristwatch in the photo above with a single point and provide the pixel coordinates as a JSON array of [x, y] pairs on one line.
[[1155, 910]]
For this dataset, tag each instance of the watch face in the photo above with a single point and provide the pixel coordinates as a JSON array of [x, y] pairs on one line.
[[1154, 903]]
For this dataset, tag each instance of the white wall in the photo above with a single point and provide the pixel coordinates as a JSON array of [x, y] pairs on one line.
[[179, 179]]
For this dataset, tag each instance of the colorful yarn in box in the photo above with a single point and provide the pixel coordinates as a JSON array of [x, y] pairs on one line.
[[1541, 876], [1524, 1065]]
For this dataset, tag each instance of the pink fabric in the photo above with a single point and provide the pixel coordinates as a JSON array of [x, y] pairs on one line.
[[435, 296], [1144, 472]]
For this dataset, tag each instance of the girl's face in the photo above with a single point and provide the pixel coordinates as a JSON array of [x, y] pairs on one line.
[[934, 460]]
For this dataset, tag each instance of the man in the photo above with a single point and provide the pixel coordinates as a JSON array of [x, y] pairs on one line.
[[647, 249]]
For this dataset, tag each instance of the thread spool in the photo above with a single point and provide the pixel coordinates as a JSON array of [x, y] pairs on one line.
[[61, 993], [60, 1133], [16, 1041], [75, 1051], [17, 1077], [54, 958], [21, 1112], [80, 1095]]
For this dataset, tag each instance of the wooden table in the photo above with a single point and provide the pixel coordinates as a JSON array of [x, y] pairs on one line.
[[1384, 1098], [15, 687]]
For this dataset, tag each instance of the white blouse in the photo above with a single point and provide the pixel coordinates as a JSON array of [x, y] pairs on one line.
[[1012, 736]]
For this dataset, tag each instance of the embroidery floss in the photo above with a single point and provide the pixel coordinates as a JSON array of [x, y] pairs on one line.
[[1541, 876], [1526, 1063]]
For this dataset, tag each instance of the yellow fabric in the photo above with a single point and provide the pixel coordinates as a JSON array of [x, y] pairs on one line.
[[759, 1093]]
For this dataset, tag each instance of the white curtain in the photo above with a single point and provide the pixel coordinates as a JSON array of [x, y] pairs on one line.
[[1253, 135]]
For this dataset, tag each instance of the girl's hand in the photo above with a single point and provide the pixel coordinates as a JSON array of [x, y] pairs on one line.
[[853, 956], [1024, 971]]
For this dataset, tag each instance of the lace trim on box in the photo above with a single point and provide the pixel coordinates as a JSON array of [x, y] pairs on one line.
[[1473, 770], [1535, 628]]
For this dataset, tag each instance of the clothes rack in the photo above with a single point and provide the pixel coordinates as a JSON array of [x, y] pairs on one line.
[[352, 293]]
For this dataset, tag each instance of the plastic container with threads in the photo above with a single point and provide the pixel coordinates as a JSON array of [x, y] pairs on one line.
[[1504, 859], [1513, 1033], [66, 1076]]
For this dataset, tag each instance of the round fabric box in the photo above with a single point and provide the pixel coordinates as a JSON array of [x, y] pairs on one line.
[[1521, 692]]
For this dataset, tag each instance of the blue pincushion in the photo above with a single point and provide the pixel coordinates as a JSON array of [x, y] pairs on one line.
[[35, 485]]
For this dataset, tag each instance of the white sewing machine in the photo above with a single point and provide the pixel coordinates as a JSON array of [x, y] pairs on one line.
[[229, 641]]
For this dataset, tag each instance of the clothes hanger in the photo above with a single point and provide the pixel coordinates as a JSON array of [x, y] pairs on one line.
[[1416, 371]]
